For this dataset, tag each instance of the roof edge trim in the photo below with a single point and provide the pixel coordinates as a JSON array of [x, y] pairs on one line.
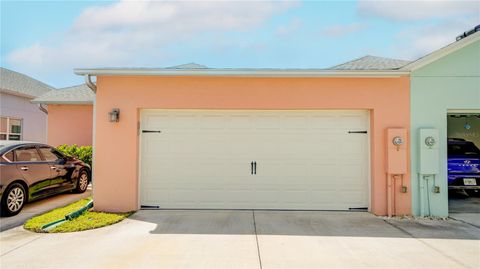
[[239, 72], [18, 94], [440, 53]]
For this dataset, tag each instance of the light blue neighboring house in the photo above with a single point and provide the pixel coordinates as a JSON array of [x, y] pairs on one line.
[[445, 85]]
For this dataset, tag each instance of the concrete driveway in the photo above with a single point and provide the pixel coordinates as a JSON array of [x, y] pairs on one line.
[[250, 239], [41, 206], [465, 209]]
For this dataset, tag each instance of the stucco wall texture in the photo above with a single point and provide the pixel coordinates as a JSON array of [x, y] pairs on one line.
[[117, 144], [70, 124], [34, 121], [451, 83]]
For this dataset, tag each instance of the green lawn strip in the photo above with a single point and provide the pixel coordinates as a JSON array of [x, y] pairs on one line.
[[35, 224], [88, 220]]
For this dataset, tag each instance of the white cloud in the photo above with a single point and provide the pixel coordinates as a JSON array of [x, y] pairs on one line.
[[441, 22], [402, 10], [130, 33], [416, 42], [340, 30]]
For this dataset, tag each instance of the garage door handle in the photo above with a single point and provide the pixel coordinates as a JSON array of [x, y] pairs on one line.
[[251, 168], [150, 131], [357, 132]]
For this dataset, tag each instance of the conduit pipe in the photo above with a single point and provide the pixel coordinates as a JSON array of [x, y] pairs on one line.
[[396, 165], [391, 192]]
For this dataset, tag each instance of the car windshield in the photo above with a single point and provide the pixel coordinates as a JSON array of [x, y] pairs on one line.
[[463, 149]]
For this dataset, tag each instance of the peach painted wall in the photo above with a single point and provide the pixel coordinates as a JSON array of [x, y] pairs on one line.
[[70, 124], [117, 144]]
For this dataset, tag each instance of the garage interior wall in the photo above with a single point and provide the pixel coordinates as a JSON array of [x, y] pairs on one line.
[[117, 144], [456, 127], [70, 124], [450, 83]]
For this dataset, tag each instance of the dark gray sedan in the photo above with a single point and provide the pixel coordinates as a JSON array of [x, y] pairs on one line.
[[30, 171]]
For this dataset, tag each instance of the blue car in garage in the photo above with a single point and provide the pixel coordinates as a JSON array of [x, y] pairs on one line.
[[463, 166]]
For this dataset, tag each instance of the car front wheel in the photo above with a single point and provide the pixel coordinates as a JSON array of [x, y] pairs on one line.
[[13, 200], [82, 183]]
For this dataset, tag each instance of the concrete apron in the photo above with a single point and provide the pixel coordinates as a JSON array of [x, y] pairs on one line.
[[249, 239], [41, 206]]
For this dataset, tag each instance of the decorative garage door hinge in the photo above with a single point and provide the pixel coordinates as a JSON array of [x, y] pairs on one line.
[[357, 132]]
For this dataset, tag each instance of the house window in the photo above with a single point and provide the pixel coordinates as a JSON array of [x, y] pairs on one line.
[[10, 128]]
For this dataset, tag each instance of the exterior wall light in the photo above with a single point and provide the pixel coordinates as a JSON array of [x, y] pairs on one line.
[[114, 115]]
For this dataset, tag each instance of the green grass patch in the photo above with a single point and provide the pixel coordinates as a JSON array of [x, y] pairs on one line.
[[88, 220]]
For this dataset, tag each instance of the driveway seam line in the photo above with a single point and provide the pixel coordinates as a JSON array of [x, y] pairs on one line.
[[256, 239], [478, 227], [426, 244], [10, 251]]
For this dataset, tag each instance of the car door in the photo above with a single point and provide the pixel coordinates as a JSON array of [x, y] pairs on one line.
[[34, 170], [60, 168]]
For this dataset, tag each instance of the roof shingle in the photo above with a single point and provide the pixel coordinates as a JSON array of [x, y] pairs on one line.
[[79, 94], [20, 84], [371, 63]]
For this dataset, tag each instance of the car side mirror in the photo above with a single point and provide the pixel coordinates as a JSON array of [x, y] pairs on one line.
[[61, 161]]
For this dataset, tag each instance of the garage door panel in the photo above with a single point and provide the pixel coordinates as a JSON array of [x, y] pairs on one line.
[[204, 168], [352, 198], [326, 120], [353, 122], [278, 171], [295, 122], [305, 159], [161, 195], [351, 170], [238, 122]]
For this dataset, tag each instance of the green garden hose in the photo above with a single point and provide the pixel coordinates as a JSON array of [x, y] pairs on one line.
[[70, 216]]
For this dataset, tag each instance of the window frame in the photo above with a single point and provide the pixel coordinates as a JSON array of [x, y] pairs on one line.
[[54, 151], [28, 147], [9, 132], [4, 158]]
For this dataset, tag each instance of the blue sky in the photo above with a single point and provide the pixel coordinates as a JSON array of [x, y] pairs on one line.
[[47, 39]]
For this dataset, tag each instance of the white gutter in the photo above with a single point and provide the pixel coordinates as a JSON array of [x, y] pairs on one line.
[[54, 102], [236, 72]]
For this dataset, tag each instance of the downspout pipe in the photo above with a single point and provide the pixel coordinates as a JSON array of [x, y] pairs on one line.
[[42, 108], [93, 87], [90, 84]]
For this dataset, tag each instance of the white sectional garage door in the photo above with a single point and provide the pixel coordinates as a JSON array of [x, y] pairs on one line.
[[254, 159]]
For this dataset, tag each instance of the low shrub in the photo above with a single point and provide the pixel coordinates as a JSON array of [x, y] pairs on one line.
[[83, 153]]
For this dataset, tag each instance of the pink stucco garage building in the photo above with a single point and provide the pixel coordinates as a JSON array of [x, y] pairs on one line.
[[195, 137], [70, 115]]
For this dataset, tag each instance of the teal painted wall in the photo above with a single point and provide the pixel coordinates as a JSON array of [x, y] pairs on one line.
[[450, 83]]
